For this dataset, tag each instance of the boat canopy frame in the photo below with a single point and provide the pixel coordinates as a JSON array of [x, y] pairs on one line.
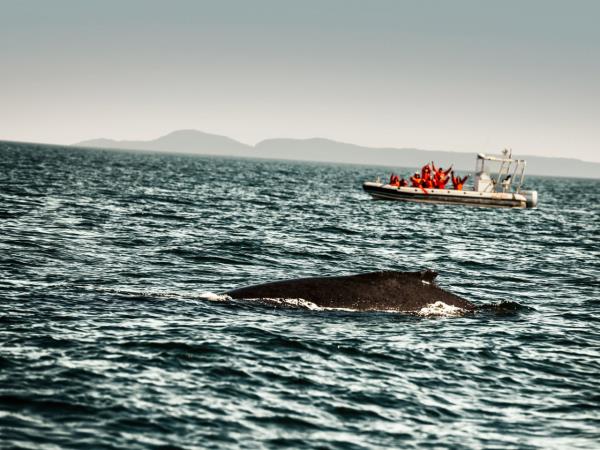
[[511, 172]]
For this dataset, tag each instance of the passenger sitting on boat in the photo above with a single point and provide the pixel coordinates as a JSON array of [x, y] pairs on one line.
[[440, 182], [439, 170], [396, 181], [457, 182], [425, 172], [440, 179], [426, 179], [416, 180], [440, 176]]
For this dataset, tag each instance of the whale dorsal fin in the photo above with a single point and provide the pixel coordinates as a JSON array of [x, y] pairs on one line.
[[428, 275]]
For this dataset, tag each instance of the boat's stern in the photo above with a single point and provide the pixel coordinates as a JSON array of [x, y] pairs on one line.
[[531, 198]]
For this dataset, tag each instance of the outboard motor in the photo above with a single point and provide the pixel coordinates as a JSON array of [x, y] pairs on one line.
[[531, 198]]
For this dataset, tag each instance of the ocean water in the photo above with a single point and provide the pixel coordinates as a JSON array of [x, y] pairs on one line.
[[113, 332]]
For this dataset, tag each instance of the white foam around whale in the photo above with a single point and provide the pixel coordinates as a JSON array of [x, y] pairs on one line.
[[440, 309], [295, 302], [211, 296], [437, 309]]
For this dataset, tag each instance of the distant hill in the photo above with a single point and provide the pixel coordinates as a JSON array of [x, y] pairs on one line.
[[325, 150], [318, 149], [184, 141]]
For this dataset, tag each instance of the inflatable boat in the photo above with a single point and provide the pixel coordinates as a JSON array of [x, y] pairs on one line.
[[500, 188]]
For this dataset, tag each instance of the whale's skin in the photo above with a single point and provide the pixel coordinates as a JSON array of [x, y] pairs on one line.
[[374, 291]]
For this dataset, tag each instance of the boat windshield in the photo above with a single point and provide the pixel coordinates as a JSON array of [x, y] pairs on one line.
[[499, 173]]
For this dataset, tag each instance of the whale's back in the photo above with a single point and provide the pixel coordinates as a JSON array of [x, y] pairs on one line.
[[387, 290]]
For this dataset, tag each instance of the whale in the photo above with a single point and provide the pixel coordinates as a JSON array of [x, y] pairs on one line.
[[373, 291]]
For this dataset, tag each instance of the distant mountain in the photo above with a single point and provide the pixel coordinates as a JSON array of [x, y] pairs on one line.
[[319, 149], [325, 150], [184, 141]]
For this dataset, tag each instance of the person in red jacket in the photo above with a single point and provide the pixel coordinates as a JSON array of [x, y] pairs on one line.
[[440, 170], [416, 180], [425, 172], [426, 179], [457, 182], [440, 179], [440, 176]]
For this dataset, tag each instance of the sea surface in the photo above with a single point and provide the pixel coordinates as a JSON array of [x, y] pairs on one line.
[[114, 332]]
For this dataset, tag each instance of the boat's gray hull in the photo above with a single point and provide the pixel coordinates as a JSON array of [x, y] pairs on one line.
[[381, 191]]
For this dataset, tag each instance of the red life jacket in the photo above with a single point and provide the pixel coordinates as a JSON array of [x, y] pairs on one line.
[[456, 184]]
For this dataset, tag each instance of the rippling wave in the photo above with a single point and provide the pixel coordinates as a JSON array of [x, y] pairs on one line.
[[114, 332]]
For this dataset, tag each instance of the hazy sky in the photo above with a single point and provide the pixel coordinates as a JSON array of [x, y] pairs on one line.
[[449, 75]]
